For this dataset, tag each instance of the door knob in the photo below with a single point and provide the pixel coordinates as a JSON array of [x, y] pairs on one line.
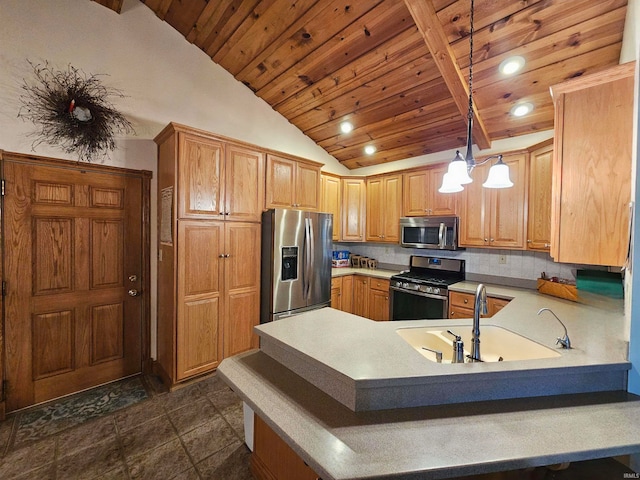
[[133, 292]]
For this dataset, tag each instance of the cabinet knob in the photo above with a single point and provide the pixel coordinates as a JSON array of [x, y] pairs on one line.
[[466, 300], [452, 313], [528, 241], [486, 240], [221, 213], [491, 239], [227, 213], [133, 292], [221, 255], [547, 245]]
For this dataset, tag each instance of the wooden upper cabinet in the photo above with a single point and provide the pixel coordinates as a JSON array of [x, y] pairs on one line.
[[244, 184], [384, 208], [216, 179], [540, 176], [292, 184], [353, 209], [592, 167], [330, 201], [307, 187], [200, 173], [421, 196], [495, 217]]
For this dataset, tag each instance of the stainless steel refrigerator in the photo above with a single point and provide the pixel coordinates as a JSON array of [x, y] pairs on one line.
[[296, 262]]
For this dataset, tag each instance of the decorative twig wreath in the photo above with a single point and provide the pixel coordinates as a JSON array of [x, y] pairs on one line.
[[73, 111]]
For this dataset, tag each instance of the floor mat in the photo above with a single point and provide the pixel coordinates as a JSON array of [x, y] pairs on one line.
[[57, 415]]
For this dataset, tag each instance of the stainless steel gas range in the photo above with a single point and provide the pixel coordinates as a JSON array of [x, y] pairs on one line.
[[422, 292]]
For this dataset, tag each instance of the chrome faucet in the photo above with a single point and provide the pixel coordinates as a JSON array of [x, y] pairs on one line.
[[480, 303], [564, 341]]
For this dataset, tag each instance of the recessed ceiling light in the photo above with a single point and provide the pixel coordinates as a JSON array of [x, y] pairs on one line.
[[369, 149], [346, 127], [511, 65], [521, 109]]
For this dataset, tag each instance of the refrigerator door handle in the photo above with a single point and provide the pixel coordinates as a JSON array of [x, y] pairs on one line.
[[312, 253], [306, 275]]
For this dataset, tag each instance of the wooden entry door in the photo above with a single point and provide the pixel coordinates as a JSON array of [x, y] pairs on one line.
[[74, 269]]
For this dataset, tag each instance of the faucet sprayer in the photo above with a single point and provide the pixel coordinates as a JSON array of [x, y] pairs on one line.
[[564, 341]]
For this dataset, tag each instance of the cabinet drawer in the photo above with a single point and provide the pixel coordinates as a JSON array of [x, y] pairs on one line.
[[379, 284], [456, 311], [464, 300]]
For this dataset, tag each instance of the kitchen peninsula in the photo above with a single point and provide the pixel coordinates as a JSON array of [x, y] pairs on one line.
[[410, 422]]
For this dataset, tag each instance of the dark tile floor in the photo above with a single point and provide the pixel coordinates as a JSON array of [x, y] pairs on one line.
[[192, 433]]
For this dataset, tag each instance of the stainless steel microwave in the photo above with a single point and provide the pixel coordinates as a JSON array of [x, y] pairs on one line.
[[440, 233]]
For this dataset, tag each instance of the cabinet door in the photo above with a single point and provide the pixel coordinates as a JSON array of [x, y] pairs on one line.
[[592, 167], [307, 192], [474, 211], [494, 305], [507, 221], [244, 184], [280, 182], [200, 279], [331, 201], [415, 193], [375, 209], [378, 299], [241, 286], [200, 177], [347, 294], [392, 208], [439, 203], [353, 209], [361, 296], [540, 175], [336, 293]]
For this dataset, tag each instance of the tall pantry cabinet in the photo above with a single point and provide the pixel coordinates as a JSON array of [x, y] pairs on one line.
[[210, 198]]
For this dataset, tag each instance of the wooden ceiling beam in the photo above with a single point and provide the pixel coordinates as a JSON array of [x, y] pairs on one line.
[[426, 19]]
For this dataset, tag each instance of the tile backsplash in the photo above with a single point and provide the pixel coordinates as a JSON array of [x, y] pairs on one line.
[[518, 264]]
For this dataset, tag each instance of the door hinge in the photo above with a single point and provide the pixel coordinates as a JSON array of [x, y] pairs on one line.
[[2, 187], [4, 288]]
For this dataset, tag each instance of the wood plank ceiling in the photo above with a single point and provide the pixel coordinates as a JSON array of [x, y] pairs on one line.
[[319, 62]]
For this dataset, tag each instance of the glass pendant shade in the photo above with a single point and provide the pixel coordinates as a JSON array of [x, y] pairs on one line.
[[498, 176], [458, 170], [449, 185]]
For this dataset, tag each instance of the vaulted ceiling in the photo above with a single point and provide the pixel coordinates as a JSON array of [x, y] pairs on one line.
[[398, 69]]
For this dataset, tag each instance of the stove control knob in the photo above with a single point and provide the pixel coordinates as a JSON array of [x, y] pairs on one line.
[[436, 291], [405, 285], [413, 286]]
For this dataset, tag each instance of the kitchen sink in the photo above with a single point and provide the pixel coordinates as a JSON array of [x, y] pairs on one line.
[[497, 344]]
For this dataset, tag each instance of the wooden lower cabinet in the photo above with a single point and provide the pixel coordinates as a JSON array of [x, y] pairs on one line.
[[378, 299], [336, 293], [217, 301], [273, 459], [361, 295], [461, 305]]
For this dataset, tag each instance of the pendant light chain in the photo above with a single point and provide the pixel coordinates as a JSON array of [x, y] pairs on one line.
[[470, 113]]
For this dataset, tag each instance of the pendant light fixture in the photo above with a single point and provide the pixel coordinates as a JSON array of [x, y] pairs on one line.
[[459, 169]]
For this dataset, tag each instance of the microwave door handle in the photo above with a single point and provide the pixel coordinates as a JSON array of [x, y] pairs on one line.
[[442, 235]]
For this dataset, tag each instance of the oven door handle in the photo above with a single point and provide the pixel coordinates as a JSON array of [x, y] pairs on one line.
[[421, 294]]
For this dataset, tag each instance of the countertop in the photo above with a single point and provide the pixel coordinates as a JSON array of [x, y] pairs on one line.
[[297, 384], [369, 272], [366, 365]]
